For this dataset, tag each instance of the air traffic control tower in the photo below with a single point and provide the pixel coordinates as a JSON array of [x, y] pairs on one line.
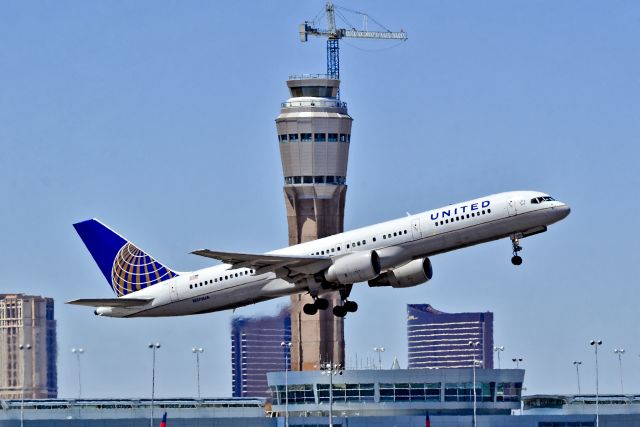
[[314, 134]]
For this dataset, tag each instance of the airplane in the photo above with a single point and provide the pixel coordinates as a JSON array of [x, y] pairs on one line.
[[394, 253]]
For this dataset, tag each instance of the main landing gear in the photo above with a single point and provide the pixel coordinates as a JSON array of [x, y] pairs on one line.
[[347, 306], [339, 310], [515, 243]]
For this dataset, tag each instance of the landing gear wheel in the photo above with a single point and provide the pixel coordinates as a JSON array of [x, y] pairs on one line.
[[310, 309], [516, 260], [321, 304], [351, 306], [339, 311]]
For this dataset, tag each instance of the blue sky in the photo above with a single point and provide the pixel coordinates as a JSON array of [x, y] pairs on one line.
[[158, 118]]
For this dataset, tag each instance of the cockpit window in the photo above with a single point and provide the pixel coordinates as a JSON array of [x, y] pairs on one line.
[[537, 200]]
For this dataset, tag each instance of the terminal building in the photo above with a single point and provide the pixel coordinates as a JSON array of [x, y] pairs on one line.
[[441, 340]]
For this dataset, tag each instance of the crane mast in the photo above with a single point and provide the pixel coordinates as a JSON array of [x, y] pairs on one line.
[[334, 34]]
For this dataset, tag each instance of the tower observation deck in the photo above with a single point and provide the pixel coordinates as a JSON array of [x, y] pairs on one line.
[[314, 134]]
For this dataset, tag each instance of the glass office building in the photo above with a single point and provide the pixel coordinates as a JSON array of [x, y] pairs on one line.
[[441, 340], [28, 347], [256, 349]]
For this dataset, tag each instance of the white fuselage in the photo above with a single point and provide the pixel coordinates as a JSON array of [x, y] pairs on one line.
[[397, 242]]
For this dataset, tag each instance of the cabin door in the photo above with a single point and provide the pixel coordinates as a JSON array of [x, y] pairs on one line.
[[511, 207], [173, 291], [415, 229]]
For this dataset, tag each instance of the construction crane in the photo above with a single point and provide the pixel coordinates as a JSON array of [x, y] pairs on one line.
[[334, 34]]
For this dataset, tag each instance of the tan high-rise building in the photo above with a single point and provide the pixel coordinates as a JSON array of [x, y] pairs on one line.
[[314, 134], [28, 347]]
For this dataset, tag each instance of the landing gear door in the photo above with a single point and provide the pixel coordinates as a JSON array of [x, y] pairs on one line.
[[511, 207], [415, 229]]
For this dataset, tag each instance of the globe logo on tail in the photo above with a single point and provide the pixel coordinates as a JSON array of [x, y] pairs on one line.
[[134, 270]]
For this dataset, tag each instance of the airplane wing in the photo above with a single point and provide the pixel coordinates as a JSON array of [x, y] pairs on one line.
[[112, 302], [268, 262]]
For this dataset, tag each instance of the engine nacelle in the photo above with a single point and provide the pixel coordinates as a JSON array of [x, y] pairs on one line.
[[392, 256], [353, 268], [411, 274]]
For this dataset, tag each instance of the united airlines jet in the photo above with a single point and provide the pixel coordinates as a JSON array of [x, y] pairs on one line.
[[394, 253]]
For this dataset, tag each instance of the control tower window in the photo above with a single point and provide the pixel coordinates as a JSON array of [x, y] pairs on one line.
[[343, 137], [305, 137], [293, 137], [307, 180], [283, 139], [317, 91], [297, 179], [333, 137], [330, 180], [320, 137], [348, 137], [319, 179]]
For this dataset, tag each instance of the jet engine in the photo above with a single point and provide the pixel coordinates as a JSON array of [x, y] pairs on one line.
[[411, 274], [353, 268]]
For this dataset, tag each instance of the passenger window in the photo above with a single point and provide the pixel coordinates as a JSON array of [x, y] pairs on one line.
[[190, 286], [358, 243], [395, 234], [348, 246], [446, 221], [364, 242], [436, 223], [374, 239]]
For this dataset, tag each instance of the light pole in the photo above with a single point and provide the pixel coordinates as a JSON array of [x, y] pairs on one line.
[[197, 351], [498, 350], [474, 345], [577, 364], [153, 348], [379, 350], [517, 361], [287, 348], [23, 347], [331, 369], [620, 352], [595, 344], [78, 352]]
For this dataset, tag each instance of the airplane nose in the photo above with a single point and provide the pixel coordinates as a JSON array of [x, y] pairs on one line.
[[563, 211]]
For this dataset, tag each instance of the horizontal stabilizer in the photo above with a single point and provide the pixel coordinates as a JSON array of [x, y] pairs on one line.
[[265, 262], [112, 302]]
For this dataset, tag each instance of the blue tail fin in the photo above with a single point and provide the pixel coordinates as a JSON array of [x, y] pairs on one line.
[[125, 266]]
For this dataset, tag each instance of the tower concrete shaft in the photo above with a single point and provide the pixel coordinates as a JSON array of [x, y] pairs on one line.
[[314, 134]]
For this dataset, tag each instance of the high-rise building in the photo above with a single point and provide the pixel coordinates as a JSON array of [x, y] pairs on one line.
[[28, 347], [314, 134], [256, 349], [441, 340]]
